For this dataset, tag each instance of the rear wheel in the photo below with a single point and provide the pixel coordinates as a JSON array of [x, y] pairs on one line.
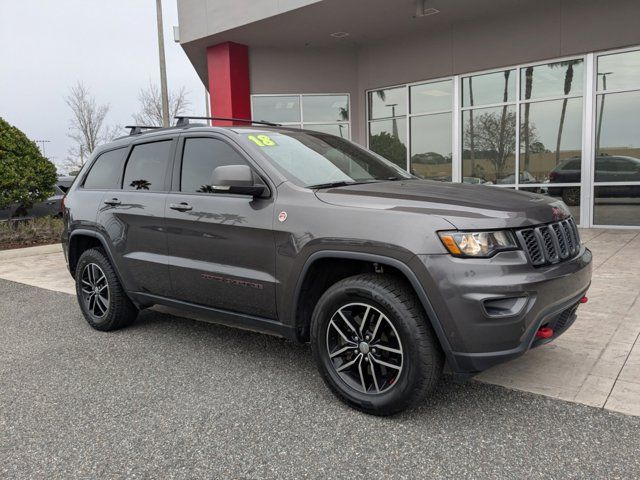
[[373, 344], [102, 299], [571, 196]]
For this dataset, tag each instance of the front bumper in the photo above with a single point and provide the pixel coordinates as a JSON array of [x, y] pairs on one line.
[[464, 294]]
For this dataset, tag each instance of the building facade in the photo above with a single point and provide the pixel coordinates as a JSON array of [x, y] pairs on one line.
[[538, 96]]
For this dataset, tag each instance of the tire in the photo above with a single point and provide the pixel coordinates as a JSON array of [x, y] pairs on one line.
[[402, 326], [571, 196], [117, 311]]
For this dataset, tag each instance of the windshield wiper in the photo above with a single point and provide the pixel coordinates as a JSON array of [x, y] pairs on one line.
[[340, 183]]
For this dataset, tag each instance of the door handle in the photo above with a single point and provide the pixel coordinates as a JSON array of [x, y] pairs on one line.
[[113, 202], [181, 207]]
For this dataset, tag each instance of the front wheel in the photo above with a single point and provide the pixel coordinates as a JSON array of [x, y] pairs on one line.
[[373, 344]]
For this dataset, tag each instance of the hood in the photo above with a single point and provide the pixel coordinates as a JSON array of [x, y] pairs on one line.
[[464, 206]]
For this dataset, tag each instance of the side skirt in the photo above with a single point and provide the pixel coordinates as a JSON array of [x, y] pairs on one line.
[[215, 315]]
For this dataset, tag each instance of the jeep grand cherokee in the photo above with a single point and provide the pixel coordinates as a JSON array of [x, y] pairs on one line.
[[311, 237]]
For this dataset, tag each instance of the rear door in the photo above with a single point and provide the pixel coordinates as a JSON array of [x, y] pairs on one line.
[[133, 216], [221, 246]]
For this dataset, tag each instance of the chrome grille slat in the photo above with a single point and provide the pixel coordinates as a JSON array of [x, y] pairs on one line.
[[551, 243]]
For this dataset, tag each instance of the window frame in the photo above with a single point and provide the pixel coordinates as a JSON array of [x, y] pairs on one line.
[[176, 175], [302, 124], [594, 94], [93, 162], [168, 170]]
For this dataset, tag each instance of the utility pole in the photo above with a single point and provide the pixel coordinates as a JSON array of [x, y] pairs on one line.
[[42, 142], [163, 67]]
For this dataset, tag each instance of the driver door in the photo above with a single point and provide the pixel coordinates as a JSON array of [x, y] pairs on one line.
[[221, 245]]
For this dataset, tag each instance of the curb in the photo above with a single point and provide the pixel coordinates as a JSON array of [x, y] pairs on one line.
[[31, 251]]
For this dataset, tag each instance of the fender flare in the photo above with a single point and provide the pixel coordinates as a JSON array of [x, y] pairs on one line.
[[392, 262], [100, 237]]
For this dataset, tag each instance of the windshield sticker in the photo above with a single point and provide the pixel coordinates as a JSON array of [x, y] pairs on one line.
[[262, 140]]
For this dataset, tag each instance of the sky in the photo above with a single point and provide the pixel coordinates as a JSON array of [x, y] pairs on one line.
[[46, 46]]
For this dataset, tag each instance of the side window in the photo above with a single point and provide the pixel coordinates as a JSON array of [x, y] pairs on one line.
[[200, 157], [106, 170], [147, 167]]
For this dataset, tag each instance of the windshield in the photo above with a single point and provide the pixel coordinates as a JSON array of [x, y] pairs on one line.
[[318, 159]]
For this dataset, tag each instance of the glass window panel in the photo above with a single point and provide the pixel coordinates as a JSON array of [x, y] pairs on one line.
[[488, 144], [387, 102], [569, 195], [431, 146], [431, 97], [619, 71], [276, 108], [387, 138], [552, 80], [551, 141], [201, 156], [147, 167], [325, 108], [489, 88], [618, 137], [337, 129], [617, 205], [106, 171]]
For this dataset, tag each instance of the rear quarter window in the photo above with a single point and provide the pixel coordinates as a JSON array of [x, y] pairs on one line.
[[106, 170]]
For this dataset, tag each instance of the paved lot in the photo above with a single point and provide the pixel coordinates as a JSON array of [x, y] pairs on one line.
[[174, 398], [597, 362]]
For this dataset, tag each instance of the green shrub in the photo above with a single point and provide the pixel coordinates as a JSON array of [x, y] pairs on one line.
[[26, 177]]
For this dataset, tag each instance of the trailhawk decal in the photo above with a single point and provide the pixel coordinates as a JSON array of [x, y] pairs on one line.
[[232, 281]]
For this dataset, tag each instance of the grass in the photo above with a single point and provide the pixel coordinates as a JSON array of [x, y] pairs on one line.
[[29, 233]]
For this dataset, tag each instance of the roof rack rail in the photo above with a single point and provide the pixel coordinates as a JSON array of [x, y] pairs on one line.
[[184, 120], [137, 129]]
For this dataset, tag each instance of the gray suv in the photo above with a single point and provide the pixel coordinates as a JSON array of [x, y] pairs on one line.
[[305, 235]]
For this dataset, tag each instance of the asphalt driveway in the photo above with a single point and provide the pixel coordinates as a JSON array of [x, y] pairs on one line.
[[175, 398]]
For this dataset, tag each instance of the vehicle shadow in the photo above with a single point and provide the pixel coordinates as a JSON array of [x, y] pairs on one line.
[[292, 363]]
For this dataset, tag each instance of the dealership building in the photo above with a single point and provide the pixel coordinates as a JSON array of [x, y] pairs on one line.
[[542, 96]]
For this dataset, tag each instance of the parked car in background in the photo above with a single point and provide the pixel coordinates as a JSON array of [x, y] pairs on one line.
[[476, 181], [525, 177], [65, 182], [608, 168], [51, 207]]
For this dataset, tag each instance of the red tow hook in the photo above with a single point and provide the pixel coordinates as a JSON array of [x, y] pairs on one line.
[[544, 332], [584, 300]]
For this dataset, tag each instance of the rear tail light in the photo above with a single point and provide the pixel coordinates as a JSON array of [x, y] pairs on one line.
[[553, 176]]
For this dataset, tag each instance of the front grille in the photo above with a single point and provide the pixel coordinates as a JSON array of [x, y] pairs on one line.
[[551, 243]]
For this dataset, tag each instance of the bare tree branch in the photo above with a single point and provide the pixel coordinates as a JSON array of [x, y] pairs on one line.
[[87, 127], [150, 112]]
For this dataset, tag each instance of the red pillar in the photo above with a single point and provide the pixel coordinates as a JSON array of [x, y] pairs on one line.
[[228, 68]]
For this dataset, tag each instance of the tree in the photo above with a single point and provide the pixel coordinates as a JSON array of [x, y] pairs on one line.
[[389, 147], [87, 125], [494, 136], [26, 177], [150, 99], [568, 80]]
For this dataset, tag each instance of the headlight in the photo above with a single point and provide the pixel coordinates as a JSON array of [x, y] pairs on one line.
[[478, 244]]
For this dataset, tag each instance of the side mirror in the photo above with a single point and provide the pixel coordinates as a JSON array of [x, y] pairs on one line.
[[236, 179]]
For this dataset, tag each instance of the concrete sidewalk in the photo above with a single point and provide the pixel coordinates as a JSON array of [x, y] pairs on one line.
[[596, 362]]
